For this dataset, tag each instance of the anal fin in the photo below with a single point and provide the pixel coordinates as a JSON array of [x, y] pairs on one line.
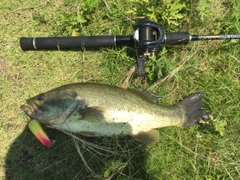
[[148, 137]]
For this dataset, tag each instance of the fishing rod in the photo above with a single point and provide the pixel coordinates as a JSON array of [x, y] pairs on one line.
[[148, 38]]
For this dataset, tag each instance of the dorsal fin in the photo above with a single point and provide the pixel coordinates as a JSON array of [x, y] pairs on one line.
[[152, 97]]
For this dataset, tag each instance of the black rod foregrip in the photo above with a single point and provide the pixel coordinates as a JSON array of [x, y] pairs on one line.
[[62, 43], [176, 38]]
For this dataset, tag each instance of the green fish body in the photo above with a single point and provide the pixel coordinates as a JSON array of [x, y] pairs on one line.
[[103, 110]]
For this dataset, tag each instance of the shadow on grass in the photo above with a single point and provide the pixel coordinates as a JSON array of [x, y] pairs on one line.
[[28, 159]]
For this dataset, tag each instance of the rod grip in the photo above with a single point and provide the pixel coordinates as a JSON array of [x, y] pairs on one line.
[[177, 38], [61, 43]]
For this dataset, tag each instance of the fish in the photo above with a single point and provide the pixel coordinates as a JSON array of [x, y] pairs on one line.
[[98, 110]]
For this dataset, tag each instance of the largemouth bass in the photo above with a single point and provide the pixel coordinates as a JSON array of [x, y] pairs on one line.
[[103, 110]]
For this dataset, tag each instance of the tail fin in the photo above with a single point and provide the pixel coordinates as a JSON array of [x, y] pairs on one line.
[[192, 106]]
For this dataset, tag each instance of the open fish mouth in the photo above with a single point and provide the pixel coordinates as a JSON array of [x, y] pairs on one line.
[[32, 109]]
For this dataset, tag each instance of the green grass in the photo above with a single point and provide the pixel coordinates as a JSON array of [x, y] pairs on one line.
[[208, 151]]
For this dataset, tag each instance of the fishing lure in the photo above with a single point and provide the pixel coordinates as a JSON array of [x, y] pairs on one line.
[[39, 133]]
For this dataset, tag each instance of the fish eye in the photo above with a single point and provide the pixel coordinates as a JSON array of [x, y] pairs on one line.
[[40, 97]]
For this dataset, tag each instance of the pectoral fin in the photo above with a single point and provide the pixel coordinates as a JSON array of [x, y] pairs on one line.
[[92, 114], [148, 137]]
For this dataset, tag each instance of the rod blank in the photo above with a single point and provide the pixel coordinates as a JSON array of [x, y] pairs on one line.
[[214, 37]]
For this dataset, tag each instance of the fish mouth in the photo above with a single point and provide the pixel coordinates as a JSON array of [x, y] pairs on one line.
[[32, 109]]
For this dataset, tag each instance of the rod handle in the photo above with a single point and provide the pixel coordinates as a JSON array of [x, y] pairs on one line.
[[61, 43]]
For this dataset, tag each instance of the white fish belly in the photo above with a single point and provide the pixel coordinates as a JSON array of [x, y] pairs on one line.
[[115, 123]]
